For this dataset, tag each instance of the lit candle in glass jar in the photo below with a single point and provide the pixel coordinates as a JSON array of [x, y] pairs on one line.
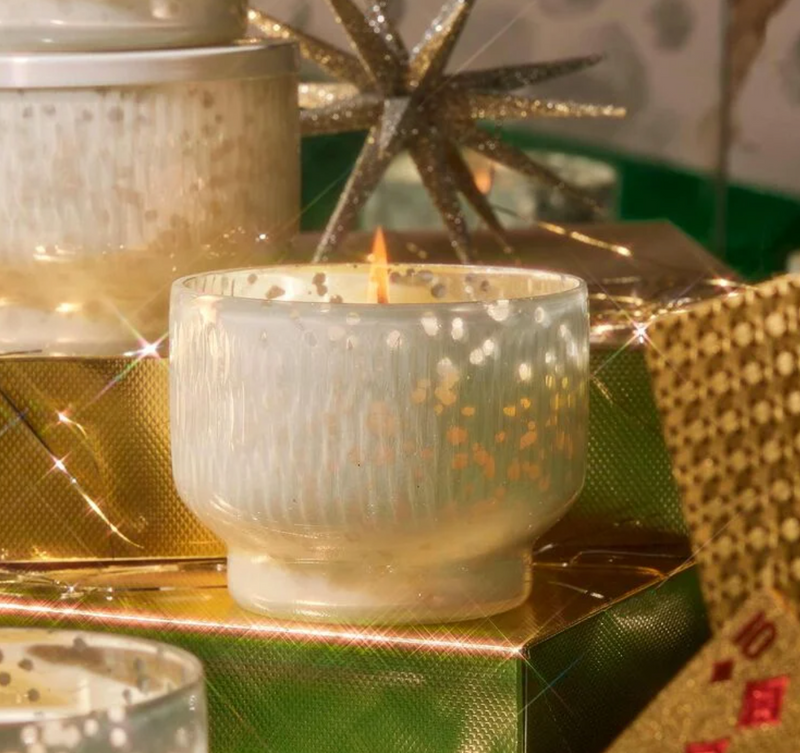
[[379, 461]]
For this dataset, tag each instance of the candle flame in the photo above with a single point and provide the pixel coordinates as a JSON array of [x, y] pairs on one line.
[[484, 180], [379, 269]]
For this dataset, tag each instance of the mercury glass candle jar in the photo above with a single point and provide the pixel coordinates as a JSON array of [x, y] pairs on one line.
[[125, 170], [83, 25], [379, 462], [87, 692]]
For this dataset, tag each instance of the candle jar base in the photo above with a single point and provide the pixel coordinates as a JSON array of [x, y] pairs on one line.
[[356, 593]]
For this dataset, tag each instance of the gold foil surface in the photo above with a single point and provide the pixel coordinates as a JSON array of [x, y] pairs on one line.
[[542, 677], [741, 694], [192, 597], [726, 375], [85, 467]]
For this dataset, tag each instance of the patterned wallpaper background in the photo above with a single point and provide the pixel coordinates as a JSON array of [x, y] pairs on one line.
[[664, 64]]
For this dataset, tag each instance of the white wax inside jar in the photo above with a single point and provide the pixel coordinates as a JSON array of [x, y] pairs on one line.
[[356, 288], [11, 714], [63, 690], [352, 284], [49, 690]]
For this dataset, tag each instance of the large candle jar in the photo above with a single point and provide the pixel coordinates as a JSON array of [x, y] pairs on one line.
[[48, 25], [125, 170], [89, 692], [372, 461]]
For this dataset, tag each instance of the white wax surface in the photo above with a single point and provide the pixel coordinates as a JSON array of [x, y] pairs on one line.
[[63, 687]]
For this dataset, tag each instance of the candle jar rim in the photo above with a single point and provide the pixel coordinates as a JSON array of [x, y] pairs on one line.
[[572, 285], [65, 70], [192, 672]]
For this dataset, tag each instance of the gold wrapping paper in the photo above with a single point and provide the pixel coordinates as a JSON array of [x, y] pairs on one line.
[[85, 466], [740, 695], [85, 469], [191, 596], [727, 381]]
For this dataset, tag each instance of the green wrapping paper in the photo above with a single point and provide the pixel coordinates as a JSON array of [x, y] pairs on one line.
[[562, 673]]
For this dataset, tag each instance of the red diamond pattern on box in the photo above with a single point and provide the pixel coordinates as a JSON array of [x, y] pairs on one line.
[[723, 671], [754, 710], [763, 702], [718, 746]]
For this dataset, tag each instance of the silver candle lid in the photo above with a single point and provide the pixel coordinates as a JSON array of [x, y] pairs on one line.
[[70, 70]]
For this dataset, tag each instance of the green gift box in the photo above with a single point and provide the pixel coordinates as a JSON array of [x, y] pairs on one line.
[[564, 672], [615, 611]]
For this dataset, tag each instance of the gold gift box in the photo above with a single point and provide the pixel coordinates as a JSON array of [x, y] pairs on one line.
[[85, 465]]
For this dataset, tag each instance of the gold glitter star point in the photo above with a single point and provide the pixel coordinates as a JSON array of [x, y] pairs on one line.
[[407, 101]]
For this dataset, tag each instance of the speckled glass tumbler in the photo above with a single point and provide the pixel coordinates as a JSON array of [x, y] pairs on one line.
[[94, 693], [126, 170], [371, 462]]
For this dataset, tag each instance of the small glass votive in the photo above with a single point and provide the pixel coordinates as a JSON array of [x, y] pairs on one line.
[[379, 462], [90, 692]]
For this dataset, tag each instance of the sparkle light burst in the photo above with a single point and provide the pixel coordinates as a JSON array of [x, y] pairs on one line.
[[59, 465], [362, 638]]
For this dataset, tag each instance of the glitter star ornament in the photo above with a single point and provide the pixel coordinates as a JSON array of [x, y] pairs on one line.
[[406, 100], [741, 694]]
